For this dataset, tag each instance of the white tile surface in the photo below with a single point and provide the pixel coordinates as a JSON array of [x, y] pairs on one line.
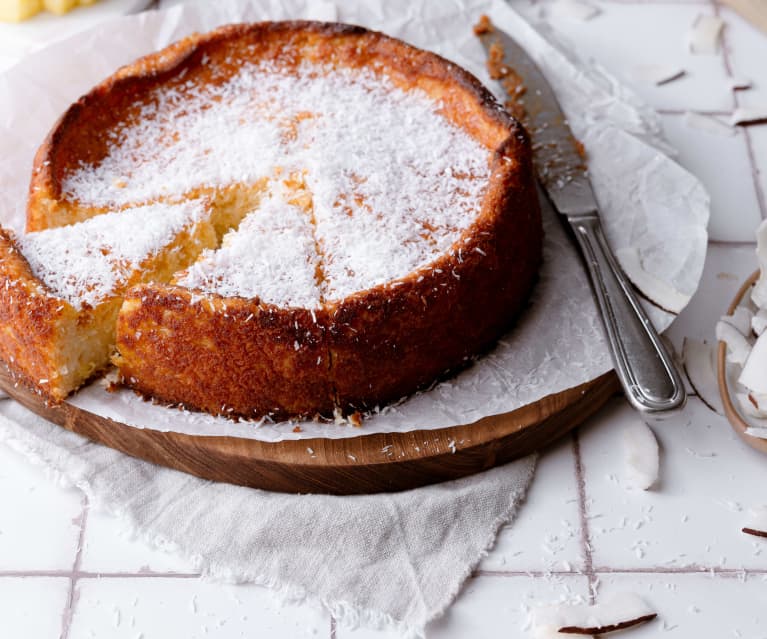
[[758, 136], [722, 164], [107, 547], [725, 270], [543, 539], [32, 607], [39, 521], [175, 608], [693, 518], [692, 606], [626, 36], [747, 49], [492, 607]]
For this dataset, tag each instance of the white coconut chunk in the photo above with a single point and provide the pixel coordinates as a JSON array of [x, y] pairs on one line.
[[759, 322], [759, 292], [753, 404], [658, 74], [615, 612], [656, 290], [704, 35], [754, 373], [748, 115], [641, 454], [739, 84], [757, 431], [708, 124], [740, 320], [574, 10], [756, 522], [738, 347], [700, 365]]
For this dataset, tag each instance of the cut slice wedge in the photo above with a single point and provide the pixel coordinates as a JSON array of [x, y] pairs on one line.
[[61, 289]]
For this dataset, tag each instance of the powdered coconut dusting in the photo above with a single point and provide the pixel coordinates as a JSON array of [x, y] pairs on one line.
[[393, 182], [86, 262]]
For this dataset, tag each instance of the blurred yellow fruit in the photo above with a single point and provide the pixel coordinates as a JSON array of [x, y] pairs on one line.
[[60, 6], [18, 10]]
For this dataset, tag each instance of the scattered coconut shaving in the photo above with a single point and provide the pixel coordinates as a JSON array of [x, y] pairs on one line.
[[574, 10], [748, 115], [759, 322], [660, 293], [708, 124], [740, 320], [699, 360], [758, 432], [641, 454], [753, 405], [738, 347], [739, 84], [754, 373], [616, 612], [756, 524], [705, 34], [658, 74]]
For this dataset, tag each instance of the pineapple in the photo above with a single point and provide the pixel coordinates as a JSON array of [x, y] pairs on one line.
[[18, 10]]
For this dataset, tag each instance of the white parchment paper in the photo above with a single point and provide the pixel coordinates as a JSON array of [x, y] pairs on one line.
[[649, 203]]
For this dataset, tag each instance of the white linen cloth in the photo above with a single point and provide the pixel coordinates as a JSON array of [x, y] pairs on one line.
[[382, 560], [395, 559]]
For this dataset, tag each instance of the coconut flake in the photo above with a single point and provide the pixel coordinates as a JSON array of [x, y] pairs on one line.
[[739, 84], [756, 523], [616, 612], [658, 74], [656, 290], [754, 373], [753, 404], [738, 347], [707, 123], [704, 35], [759, 322], [574, 10], [740, 320], [748, 115], [700, 365], [642, 458], [757, 431]]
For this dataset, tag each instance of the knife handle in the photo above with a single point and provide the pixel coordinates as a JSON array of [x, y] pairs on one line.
[[648, 375]]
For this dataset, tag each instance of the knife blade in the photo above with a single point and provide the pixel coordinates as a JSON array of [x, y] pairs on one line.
[[647, 373]]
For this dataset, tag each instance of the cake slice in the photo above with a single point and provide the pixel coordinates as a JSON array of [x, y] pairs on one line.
[[61, 289], [240, 331]]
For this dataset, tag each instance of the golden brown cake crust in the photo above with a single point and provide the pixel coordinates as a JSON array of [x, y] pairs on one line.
[[242, 357], [28, 321]]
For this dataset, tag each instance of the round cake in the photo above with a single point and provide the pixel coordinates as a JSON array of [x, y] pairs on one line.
[[375, 209]]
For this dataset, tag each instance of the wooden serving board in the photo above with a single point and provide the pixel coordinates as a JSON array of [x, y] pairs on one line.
[[365, 464]]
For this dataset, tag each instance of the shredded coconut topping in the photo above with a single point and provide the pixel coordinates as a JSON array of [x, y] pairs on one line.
[[85, 263], [393, 182], [271, 256]]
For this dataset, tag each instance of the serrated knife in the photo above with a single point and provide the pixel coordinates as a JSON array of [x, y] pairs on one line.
[[648, 375]]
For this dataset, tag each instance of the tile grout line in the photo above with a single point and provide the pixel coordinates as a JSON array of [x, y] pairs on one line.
[[606, 570], [761, 197], [66, 620], [588, 569]]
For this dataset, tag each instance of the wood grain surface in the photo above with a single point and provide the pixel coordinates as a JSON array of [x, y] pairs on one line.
[[365, 464], [733, 416]]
